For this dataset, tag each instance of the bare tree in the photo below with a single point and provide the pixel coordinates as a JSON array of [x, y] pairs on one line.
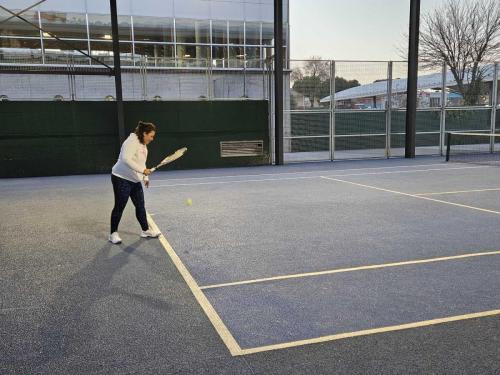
[[462, 34]]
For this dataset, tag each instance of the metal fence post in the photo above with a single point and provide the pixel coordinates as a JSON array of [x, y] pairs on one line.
[[442, 122], [494, 104], [332, 110], [388, 113]]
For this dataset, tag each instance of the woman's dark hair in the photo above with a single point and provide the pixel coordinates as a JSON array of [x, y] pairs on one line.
[[144, 127]]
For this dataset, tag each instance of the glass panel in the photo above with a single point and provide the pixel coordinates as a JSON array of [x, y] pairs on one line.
[[202, 29], [16, 27], [185, 31], [100, 27], [193, 52], [57, 52], [153, 29], [253, 57], [252, 33], [20, 51], [219, 32], [191, 31], [236, 33], [219, 57], [64, 25], [236, 57], [157, 54], [268, 34], [103, 51]]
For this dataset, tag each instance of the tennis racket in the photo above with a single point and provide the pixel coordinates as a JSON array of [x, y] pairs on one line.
[[170, 158]]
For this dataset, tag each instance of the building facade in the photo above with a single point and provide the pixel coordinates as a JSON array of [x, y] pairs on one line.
[[227, 34]]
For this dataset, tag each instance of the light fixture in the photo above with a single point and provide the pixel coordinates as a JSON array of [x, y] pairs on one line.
[[46, 34], [107, 36], [187, 55]]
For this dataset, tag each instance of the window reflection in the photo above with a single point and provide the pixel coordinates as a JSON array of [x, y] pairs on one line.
[[154, 29], [236, 33], [64, 25], [219, 32], [17, 27]]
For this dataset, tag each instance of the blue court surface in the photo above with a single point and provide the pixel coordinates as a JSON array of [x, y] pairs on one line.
[[291, 256]]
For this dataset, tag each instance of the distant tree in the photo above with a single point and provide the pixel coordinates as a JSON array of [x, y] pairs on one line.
[[462, 34], [313, 80]]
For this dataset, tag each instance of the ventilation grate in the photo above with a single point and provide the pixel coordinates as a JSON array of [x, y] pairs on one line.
[[241, 148]]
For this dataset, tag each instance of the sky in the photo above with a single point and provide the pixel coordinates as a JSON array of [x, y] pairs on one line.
[[370, 30]]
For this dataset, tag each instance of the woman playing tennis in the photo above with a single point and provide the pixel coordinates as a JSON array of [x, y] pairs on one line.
[[127, 175]]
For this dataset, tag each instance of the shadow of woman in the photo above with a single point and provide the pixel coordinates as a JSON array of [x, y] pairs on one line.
[[69, 327]]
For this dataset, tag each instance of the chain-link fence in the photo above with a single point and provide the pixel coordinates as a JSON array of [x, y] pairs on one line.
[[332, 109], [356, 109]]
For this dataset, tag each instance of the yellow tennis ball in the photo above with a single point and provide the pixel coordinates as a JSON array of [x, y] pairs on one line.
[[189, 202]]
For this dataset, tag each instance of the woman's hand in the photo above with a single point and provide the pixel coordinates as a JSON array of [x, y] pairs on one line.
[[146, 183], [146, 172]]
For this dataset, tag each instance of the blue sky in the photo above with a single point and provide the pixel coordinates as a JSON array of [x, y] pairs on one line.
[[350, 29]]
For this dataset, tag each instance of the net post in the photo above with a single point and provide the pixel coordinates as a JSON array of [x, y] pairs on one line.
[[442, 119], [494, 104], [448, 144], [332, 110], [388, 108]]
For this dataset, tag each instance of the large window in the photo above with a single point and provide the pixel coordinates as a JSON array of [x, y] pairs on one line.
[[219, 32], [17, 27], [187, 51], [20, 50], [267, 34], [192, 31], [65, 52], [100, 27], [64, 25], [252, 31], [219, 57], [153, 29], [103, 51], [156, 54], [236, 32], [252, 55], [236, 56]]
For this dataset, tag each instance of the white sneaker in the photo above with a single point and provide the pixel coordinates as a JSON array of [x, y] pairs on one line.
[[150, 233], [115, 238]]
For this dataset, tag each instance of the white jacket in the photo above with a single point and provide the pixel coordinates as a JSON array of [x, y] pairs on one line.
[[132, 160]]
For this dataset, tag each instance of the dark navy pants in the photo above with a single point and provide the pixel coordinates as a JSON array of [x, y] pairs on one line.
[[124, 189]]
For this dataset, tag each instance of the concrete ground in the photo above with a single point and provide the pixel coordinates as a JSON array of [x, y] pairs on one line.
[[277, 256]]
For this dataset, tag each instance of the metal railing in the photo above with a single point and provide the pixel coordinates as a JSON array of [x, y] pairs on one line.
[[151, 79]]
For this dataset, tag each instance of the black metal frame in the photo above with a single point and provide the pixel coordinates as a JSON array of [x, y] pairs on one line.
[[411, 93], [278, 82]]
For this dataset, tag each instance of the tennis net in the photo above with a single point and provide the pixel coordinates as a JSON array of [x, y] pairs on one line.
[[477, 148]]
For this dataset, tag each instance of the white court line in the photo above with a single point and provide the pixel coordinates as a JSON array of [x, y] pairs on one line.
[[460, 191], [312, 177], [366, 332], [352, 269], [205, 304], [287, 173], [414, 196]]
